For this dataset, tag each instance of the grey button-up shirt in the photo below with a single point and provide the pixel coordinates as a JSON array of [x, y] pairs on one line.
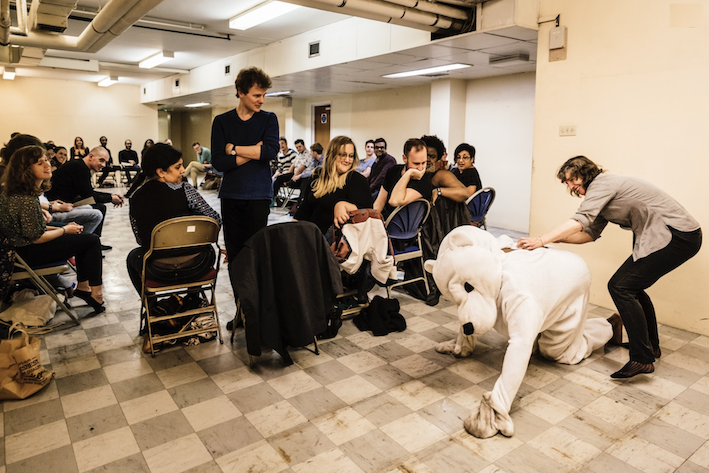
[[635, 205]]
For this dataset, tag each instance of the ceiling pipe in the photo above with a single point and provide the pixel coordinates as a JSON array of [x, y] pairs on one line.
[[430, 7], [387, 12], [5, 22], [114, 18]]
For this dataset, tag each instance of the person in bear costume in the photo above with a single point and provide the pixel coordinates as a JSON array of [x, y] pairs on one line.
[[538, 299]]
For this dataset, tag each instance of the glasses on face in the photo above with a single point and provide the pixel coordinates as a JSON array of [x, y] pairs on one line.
[[346, 156], [380, 147], [463, 158]]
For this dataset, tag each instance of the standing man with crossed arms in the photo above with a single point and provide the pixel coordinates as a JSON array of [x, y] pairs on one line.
[[244, 141]]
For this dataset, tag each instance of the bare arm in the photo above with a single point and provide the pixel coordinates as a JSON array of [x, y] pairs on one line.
[[52, 233], [567, 232], [401, 194], [367, 172], [381, 200], [342, 212], [451, 187]]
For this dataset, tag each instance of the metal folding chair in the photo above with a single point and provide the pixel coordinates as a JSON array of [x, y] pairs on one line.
[[182, 232], [479, 204], [404, 225], [37, 277]]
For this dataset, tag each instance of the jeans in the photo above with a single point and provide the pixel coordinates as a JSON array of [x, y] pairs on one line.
[[628, 284], [84, 215]]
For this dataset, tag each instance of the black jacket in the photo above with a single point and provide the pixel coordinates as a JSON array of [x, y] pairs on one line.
[[286, 278]]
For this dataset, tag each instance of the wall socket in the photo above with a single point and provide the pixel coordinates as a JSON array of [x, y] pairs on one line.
[[567, 130]]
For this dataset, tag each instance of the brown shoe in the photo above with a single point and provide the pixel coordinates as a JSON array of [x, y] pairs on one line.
[[617, 325]]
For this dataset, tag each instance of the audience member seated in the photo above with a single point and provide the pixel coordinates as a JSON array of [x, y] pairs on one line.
[[284, 159], [406, 182], [381, 165], [24, 223], [129, 161], [162, 196], [201, 166], [302, 160], [109, 167], [79, 150], [445, 183], [336, 187], [365, 165], [72, 182], [60, 157], [148, 143], [466, 172]]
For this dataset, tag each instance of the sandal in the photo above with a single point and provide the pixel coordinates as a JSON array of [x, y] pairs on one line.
[[85, 296], [633, 368]]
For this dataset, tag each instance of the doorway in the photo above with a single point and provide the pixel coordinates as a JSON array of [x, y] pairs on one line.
[[321, 124]]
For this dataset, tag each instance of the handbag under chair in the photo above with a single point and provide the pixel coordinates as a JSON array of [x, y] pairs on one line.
[[404, 229], [197, 232]]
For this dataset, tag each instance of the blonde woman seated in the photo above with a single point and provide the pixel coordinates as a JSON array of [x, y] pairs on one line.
[[336, 188], [24, 223]]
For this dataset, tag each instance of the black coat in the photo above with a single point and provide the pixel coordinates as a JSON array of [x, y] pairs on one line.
[[286, 278]]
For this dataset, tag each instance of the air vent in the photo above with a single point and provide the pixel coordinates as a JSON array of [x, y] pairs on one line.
[[227, 69], [314, 49], [513, 60]]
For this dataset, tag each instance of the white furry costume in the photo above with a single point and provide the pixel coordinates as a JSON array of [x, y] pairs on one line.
[[521, 294]]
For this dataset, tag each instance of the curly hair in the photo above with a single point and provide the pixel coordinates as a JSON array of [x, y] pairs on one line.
[[19, 178], [328, 179], [250, 77], [579, 166], [432, 141]]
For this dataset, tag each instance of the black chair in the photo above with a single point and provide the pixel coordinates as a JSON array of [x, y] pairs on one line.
[[479, 204]]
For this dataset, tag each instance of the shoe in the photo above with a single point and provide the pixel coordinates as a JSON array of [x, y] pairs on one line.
[[632, 368], [85, 296], [617, 324], [106, 247]]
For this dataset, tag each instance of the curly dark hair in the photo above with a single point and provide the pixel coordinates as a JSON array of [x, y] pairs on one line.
[[250, 77], [432, 141], [579, 166], [19, 178]]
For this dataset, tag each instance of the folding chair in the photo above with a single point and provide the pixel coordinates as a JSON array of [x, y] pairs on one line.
[[37, 277], [479, 204], [404, 225], [181, 232]]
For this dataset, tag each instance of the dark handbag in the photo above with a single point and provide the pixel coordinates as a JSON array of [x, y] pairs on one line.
[[182, 269]]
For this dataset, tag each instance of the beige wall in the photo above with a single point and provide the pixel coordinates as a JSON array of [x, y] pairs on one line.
[[59, 110], [637, 95], [499, 122]]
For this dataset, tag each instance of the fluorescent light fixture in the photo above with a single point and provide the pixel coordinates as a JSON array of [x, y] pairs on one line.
[[156, 59], [89, 65], [9, 73], [430, 70], [261, 14], [195, 105], [108, 81], [279, 93]]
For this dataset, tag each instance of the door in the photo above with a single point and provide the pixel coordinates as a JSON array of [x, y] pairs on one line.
[[321, 124]]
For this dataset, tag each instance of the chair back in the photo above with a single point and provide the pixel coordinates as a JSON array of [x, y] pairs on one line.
[[479, 203], [183, 232], [405, 221]]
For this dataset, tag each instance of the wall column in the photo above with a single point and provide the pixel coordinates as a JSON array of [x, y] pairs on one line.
[[447, 120]]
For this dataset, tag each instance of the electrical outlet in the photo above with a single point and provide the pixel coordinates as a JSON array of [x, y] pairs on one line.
[[567, 130]]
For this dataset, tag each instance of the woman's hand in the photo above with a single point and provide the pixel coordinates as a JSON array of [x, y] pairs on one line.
[[46, 216], [73, 228], [530, 243], [60, 206], [342, 213]]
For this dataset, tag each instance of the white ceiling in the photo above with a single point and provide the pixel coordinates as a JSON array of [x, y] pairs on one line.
[[196, 46]]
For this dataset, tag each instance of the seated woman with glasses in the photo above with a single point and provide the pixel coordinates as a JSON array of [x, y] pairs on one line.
[[336, 188], [466, 172], [161, 197]]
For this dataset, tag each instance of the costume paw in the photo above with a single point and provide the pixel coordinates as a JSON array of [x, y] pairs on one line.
[[484, 421], [461, 347]]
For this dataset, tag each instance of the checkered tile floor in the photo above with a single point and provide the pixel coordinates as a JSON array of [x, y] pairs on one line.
[[365, 404]]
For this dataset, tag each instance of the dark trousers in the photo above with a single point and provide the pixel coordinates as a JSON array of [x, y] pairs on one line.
[[85, 247], [106, 171], [628, 284], [281, 181], [102, 208], [241, 219], [127, 169], [134, 263]]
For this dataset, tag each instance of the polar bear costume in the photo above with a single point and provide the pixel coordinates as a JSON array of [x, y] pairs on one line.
[[529, 296]]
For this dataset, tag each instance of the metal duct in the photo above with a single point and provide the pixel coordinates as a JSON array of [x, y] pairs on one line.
[[430, 7], [114, 18]]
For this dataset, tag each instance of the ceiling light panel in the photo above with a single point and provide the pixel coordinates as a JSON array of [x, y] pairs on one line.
[[427, 71], [261, 14], [156, 59]]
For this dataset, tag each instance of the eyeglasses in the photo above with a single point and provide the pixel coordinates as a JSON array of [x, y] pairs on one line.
[[380, 147], [463, 158], [346, 156]]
